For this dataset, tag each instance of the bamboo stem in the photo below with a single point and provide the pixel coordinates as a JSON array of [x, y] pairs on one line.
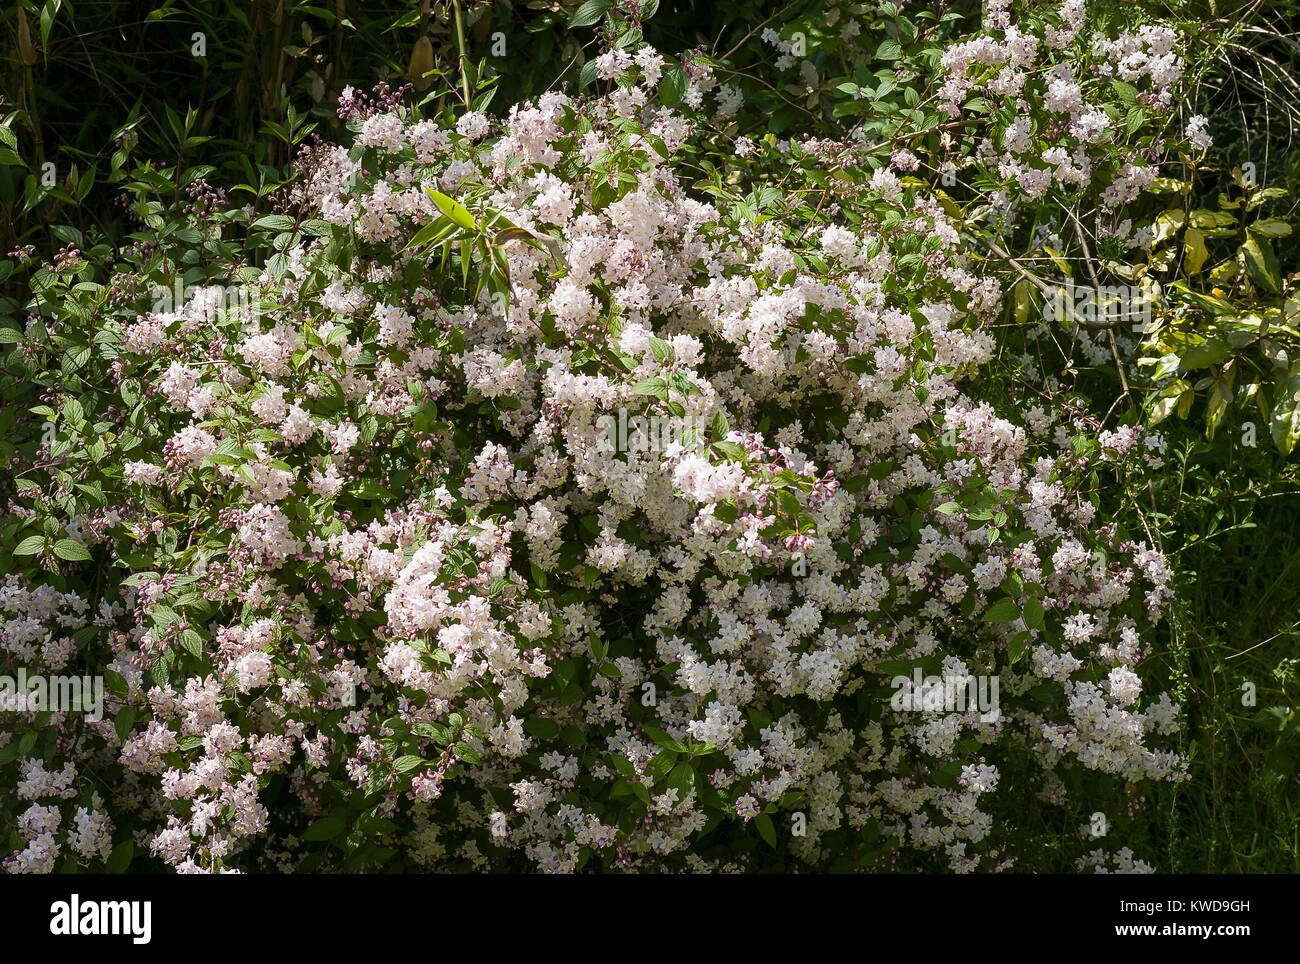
[[460, 44]]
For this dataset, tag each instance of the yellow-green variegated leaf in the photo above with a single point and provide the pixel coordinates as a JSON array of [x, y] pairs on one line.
[[1194, 243], [1204, 218], [1225, 272], [1023, 301], [1272, 228], [1284, 420], [1216, 405], [1167, 224], [1168, 399], [1266, 194], [1262, 263], [1058, 259]]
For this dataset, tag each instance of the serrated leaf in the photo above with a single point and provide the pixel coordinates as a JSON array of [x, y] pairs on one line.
[[663, 351], [408, 762], [651, 386], [30, 546], [435, 731], [590, 13], [672, 86], [1016, 648], [1003, 611], [71, 550], [276, 222]]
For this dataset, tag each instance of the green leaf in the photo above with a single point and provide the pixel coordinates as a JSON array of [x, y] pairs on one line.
[[662, 738], [1194, 246], [765, 829], [276, 222], [651, 386], [682, 779], [115, 683], [590, 12], [120, 857], [947, 776], [452, 209], [1272, 228], [662, 350], [1167, 399], [541, 728], [1016, 648], [1003, 611], [192, 643], [326, 828], [436, 732], [71, 550], [889, 50], [681, 384], [438, 229], [408, 762], [30, 546], [1208, 352], [123, 722], [1034, 614], [1136, 116], [732, 450], [672, 86], [161, 667], [1125, 92]]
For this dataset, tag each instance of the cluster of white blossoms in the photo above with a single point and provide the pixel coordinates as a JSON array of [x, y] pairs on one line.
[[61, 819], [1071, 127], [413, 575]]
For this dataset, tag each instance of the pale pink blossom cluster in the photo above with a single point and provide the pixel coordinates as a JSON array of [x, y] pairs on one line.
[[1059, 72], [410, 567]]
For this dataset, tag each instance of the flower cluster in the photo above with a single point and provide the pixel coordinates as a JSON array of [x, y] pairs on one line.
[[377, 588]]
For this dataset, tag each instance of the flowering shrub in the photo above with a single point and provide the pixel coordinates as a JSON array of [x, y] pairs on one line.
[[342, 528]]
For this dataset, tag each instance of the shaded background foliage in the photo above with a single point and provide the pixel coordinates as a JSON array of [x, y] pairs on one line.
[[104, 90]]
